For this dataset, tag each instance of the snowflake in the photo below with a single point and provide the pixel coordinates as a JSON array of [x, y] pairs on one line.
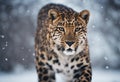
[[107, 67], [105, 58], [93, 26], [3, 48], [33, 54], [6, 44], [2, 36], [28, 11], [6, 59], [23, 59], [101, 7]]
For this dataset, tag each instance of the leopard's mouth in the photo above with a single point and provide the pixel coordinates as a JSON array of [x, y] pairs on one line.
[[69, 51]]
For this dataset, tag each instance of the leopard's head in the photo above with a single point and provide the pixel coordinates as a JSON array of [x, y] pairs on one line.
[[68, 31]]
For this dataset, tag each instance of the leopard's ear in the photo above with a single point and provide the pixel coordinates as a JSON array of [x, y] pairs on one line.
[[85, 15], [52, 14]]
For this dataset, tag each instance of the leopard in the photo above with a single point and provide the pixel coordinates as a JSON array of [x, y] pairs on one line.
[[61, 45]]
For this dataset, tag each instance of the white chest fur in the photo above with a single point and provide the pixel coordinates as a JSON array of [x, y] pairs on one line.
[[60, 77]]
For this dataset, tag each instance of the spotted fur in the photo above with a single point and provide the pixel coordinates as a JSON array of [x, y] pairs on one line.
[[61, 45]]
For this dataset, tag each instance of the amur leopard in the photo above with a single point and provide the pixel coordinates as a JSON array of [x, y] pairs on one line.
[[61, 45]]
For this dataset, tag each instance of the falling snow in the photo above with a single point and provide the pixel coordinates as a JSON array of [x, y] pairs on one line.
[[6, 59], [23, 59], [3, 48], [28, 11], [93, 26], [2, 36], [100, 48], [101, 7], [107, 67], [6, 44], [33, 54], [105, 58]]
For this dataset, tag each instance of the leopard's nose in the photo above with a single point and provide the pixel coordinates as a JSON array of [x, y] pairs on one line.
[[69, 43]]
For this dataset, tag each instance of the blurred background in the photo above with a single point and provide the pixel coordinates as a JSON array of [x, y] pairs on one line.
[[18, 21]]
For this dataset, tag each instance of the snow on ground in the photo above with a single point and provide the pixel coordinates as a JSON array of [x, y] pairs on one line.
[[31, 76], [25, 76], [106, 76]]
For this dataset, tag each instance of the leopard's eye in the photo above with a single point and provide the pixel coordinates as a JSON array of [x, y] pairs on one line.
[[77, 29], [61, 28]]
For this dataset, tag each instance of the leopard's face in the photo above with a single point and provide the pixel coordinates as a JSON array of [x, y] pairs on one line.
[[68, 31]]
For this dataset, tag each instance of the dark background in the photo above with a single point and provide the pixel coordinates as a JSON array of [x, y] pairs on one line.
[[18, 24]]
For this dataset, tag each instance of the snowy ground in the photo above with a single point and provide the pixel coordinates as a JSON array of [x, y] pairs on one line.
[[30, 76], [106, 76]]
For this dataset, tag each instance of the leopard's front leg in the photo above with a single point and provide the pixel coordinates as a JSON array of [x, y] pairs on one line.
[[45, 74], [44, 69], [83, 75]]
